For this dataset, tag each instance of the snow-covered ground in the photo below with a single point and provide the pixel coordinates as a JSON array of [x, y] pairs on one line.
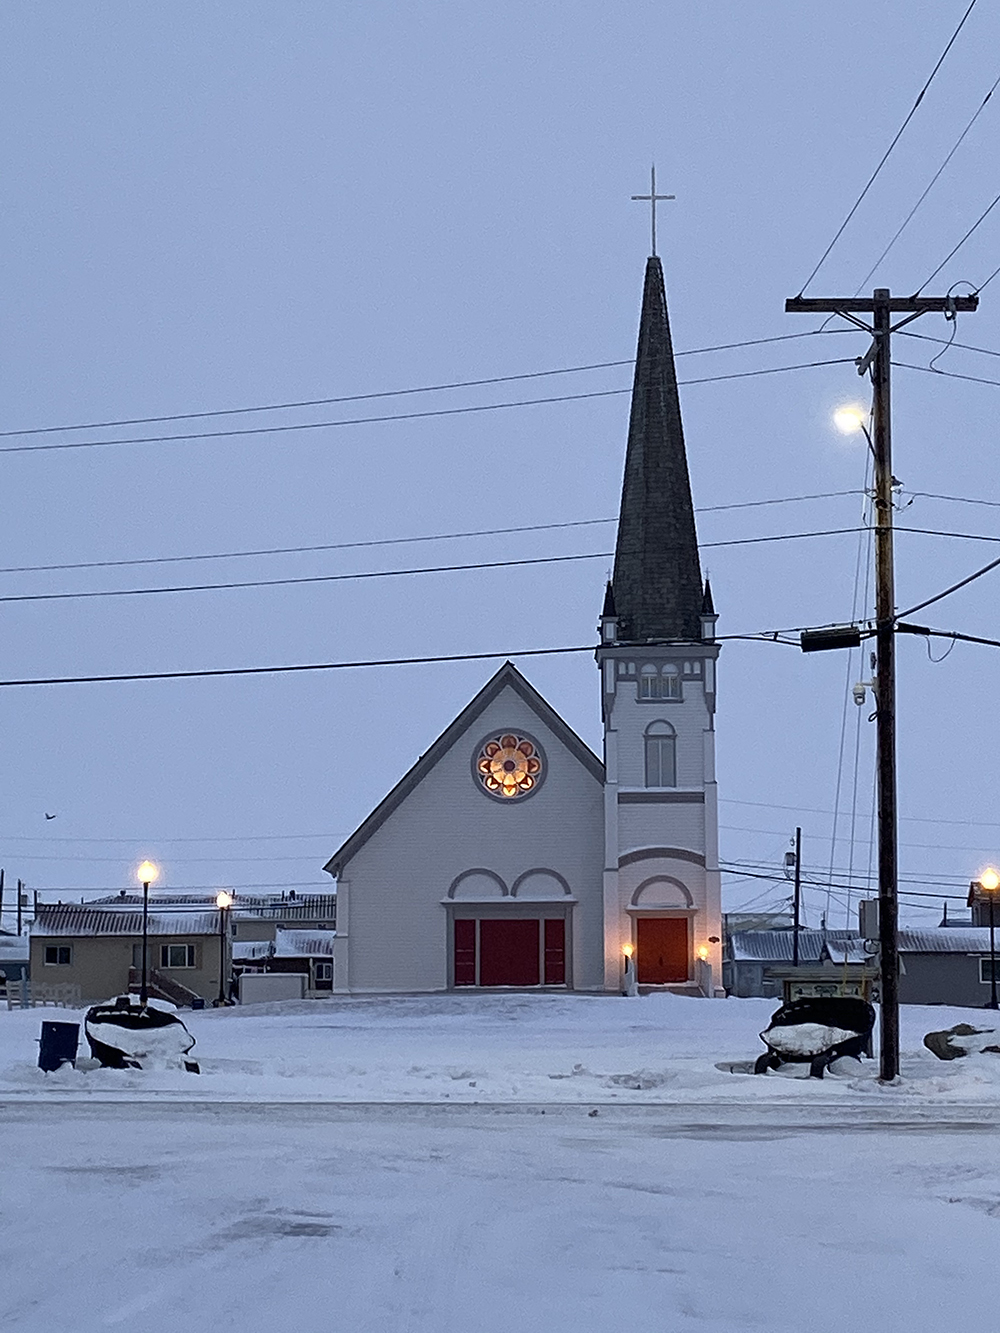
[[496, 1164], [493, 1048]]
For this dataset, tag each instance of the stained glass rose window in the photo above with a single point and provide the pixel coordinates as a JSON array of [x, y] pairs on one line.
[[509, 765]]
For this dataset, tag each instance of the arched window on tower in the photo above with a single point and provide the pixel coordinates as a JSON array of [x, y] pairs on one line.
[[661, 755], [670, 682], [659, 682]]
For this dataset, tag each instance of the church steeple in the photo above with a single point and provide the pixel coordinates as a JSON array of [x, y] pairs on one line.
[[657, 583]]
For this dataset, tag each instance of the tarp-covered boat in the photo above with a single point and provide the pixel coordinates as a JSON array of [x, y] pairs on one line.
[[817, 1032], [124, 1033]]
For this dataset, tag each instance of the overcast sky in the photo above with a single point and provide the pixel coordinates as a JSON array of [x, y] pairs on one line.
[[212, 206]]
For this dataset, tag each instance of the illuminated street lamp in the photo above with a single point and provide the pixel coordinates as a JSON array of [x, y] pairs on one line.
[[989, 882], [146, 874], [224, 902]]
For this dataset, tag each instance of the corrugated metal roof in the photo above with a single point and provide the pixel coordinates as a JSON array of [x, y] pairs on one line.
[[945, 939], [777, 946], [80, 921], [312, 907], [304, 943]]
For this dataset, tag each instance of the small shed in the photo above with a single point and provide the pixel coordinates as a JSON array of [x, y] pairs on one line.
[[306, 952], [758, 961]]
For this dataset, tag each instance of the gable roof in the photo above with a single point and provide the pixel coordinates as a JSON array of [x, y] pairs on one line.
[[64, 920], [508, 677]]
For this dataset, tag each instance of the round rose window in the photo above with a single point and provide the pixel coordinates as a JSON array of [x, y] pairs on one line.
[[509, 766]]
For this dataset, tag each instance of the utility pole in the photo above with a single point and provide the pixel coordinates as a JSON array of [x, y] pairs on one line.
[[19, 890], [1, 901], [880, 307], [797, 901]]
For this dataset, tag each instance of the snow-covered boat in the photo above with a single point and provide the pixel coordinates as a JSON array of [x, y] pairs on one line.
[[817, 1032], [124, 1033]]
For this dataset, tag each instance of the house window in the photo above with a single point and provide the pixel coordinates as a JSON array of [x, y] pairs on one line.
[[58, 955], [661, 755], [177, 955], [659, 682], [323, 976], [984, 970]]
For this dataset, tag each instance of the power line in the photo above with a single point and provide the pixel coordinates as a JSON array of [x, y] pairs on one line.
[[946, 374], [983, 285], [390, 541], [982, 218], [397, 393], [298, 667], [885, 156], [302, 580], [812, 810], [956, 499], [947, 342], [397, 416], [933, 181], [938, 597]]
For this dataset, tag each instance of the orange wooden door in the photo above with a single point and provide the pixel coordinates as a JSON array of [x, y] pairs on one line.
[[662, 950]]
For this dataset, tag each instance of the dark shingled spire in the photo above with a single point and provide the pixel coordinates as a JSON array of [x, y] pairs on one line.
[[707, 603], [657, 577], [609, 603]]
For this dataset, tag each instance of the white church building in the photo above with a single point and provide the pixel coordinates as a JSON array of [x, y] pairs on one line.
[[511, 854]]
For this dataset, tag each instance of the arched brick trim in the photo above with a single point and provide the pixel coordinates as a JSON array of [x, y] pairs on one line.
[[659, 853], [541, 870], [661, 879], [478, 870]]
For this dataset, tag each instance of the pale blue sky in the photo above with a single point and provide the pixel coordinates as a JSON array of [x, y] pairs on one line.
[[211, 205]]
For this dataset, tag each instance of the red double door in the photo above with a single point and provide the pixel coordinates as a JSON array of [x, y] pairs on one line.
[[662, 955], [510, 951]]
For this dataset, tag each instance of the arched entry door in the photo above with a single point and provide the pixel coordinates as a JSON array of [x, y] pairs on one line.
[[662, 952]]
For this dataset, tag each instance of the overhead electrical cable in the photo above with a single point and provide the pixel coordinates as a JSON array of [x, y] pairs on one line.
[[946, 374], [383, 573], [398, 393], [947, 342], [885, 156], [359, 664], [933, 181], [951, 253], [397, 416], [948, 591], [389, 541]]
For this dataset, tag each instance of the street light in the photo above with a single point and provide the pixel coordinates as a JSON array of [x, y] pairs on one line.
[[146, 874], [852, 418], [989, 882], [223, 902]]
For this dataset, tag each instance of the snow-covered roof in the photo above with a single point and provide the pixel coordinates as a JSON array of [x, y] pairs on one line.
[[14, 948], [847, 951], [304, 943], [246, 951], [309, 907], [777, 946], [80, 920], [945, 939]]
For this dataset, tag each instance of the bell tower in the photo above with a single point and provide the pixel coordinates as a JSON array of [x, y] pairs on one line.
[[657, 658]]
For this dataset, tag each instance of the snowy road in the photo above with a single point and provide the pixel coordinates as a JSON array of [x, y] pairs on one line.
[[422, 1220]]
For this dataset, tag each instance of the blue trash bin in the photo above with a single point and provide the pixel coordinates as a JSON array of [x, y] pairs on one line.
[[57, 1045]]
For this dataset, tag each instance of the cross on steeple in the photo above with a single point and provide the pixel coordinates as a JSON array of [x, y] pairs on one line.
[[652, 197]]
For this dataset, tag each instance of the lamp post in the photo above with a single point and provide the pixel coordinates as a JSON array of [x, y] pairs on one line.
[[223, 902], [989, 882], [147, 874]]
